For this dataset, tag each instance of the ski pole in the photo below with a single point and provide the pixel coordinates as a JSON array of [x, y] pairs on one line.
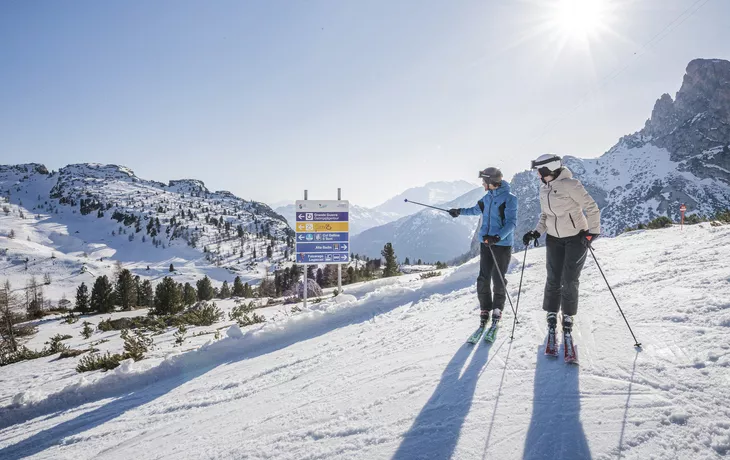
[[636, 342], [501, 278], [426, 205], [519, 290]]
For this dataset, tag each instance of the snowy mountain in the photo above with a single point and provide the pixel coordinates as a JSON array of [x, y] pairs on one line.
[[382, 372], [361, 218], [682, 155], [429, 235], [81, 221], [433, 193]]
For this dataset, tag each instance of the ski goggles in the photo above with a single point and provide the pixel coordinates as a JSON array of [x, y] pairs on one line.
[[552, 163]]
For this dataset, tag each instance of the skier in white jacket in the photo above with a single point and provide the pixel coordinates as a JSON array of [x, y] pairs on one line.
[[563, 202]]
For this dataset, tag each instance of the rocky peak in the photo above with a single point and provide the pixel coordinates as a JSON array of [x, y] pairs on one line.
[[97, 171], [27, 168], [193, 186], [698, 119]]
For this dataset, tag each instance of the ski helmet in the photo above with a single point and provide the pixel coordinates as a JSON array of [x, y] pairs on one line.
[[547, 164], [491, 175]]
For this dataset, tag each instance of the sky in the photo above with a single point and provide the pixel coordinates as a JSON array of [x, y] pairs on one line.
[[267, 99]]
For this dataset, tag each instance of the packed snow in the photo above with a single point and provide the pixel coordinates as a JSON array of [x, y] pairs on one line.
[[383, 371]]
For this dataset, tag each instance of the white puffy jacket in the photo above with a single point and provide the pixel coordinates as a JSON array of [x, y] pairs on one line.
[[563, 201]]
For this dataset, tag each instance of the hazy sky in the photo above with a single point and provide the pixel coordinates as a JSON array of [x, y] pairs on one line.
[[267, 98]]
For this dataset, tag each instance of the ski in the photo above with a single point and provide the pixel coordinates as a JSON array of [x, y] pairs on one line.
[[571, 356], [474, 338], [551, 347], [491, 334]]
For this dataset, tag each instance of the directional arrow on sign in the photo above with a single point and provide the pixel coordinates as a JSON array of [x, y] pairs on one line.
[[344, 247], [300, 216], [300, 237]]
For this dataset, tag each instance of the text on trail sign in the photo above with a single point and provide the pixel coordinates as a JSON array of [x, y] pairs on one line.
[[322, 231]]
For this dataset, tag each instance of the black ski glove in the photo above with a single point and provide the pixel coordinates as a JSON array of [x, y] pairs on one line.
[[529, 236], [491, 239], [454, 212], [587, 238]]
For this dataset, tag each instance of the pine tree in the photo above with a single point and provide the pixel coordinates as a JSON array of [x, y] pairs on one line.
[[407, 261], [102, 295], [82, 298], [167, 297], [205, 289], [320, 277], [311, 272], [126, 292], [147, 295], [34, 298], [225, 291], [190, 295], [329, 276], [172, 268], [238, 288], [391, 265], [7, 319]]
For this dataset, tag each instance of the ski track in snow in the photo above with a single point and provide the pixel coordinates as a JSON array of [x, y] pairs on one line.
[[383, 371]]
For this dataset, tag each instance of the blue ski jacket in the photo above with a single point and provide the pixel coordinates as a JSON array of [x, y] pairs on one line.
[[499, 214]]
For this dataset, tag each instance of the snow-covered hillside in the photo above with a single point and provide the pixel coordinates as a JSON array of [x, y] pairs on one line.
[[382, 372], [85, 219]]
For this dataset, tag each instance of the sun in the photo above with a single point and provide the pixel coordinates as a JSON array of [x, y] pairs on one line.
[[580, 19]]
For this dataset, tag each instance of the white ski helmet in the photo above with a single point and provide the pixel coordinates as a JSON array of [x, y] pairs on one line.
[[547, 164]]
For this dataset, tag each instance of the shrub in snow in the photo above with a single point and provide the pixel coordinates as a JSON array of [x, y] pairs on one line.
[[660, 222], [180, 335], [135, 346], [244, 315], [70, 353], [87, 331], [203, 314], [429, 275], [95, 361]]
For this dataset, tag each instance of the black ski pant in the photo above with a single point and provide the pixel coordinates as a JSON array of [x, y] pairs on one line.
[[565, 260], [489, 274]]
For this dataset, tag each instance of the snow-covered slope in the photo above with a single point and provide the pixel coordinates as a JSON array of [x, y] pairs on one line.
[[385, 374], [81, 221], [429, 234]]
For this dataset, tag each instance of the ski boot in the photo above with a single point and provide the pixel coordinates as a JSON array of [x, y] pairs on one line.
[[491, 334], [483, 318], [551, 347], [571, 356]]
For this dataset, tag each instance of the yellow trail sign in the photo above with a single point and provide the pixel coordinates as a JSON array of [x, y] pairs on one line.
[[322, 226]]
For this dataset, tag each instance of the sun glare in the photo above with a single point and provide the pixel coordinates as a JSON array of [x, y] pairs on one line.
[[580, 19]]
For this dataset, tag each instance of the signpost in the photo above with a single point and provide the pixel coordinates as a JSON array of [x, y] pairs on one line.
[[682, 210], [322, 234]]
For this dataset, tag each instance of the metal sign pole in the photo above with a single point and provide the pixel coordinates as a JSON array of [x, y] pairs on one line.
[[306, 281], [339, 266]]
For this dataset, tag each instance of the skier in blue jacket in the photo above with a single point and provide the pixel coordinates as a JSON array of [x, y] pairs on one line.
[[498, 209]]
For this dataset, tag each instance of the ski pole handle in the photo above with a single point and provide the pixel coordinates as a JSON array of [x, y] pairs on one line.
[[426, 205]]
